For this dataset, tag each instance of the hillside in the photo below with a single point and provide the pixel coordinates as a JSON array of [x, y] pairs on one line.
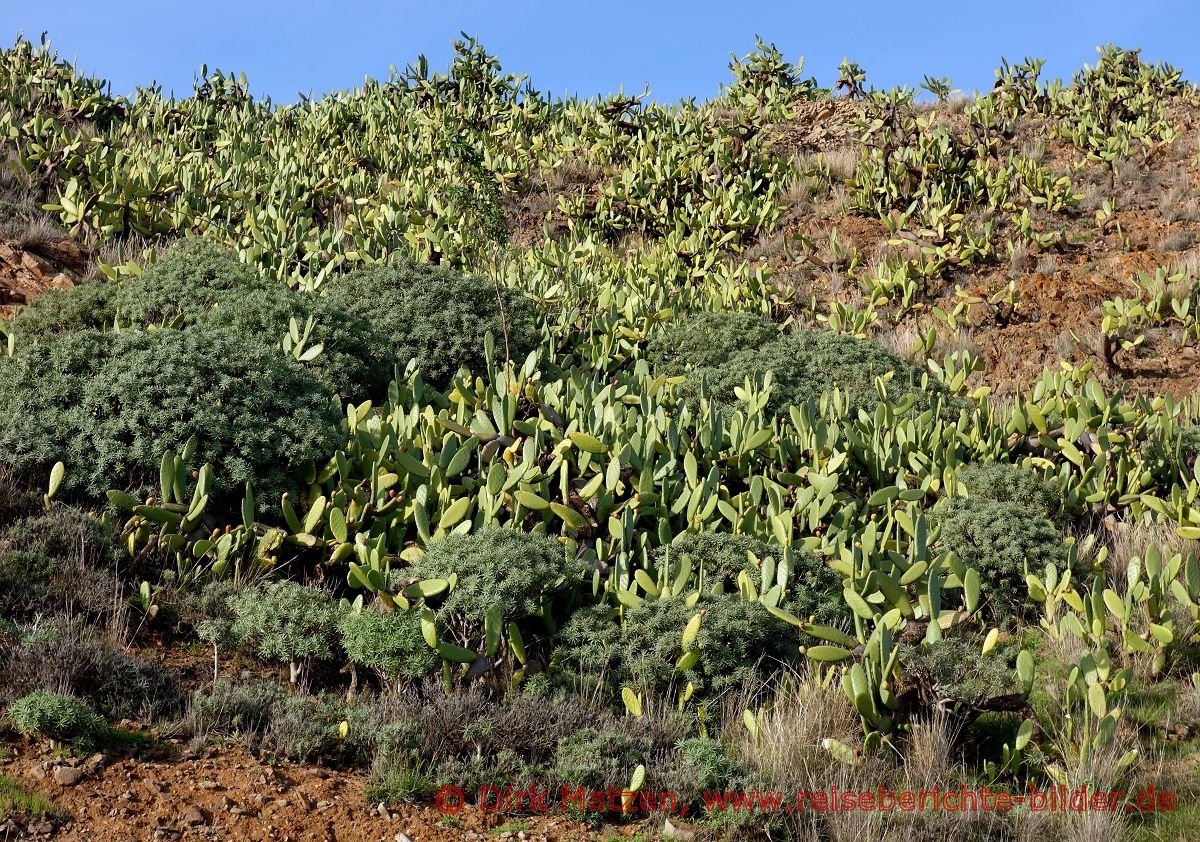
[[440, 433]]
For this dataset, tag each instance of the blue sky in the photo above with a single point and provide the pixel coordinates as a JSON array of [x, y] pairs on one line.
[[680, 48]]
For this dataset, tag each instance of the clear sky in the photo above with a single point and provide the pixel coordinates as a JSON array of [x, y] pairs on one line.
[[681, 49]]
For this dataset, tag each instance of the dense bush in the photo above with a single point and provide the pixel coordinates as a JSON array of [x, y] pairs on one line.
[[956, 668], [702, 765], [740, 644], [1007, 483], [65, 656], [355, 360], [110, 404], [707, 339], [497, 567], [808, 364], [59, 561], [814, 589], [87, 306], [436, 315], [57, 717], [1001, 541], [389, 642], [190, 277], [284, 622]]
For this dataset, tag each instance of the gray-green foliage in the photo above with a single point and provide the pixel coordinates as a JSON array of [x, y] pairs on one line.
[[739, 641], [109, 405], [1007, 483], [87, 306], [284, 621], [437, 316], [956, 668], [1001, 541], [808, 364], [190, 277], [57, 717], [354, 360], [814, 589], [231, 710], [390, 642], [304, 728], [707, 339], [500, 567]]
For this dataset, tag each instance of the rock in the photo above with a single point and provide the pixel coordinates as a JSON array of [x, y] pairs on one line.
[[193, 816], [402, 837], [68, 775], [96, 763]]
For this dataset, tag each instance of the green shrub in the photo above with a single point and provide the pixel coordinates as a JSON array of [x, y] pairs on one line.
[[1007, 483], [68, 656], [1001, 541], [57, 717], [808, 364], [701, 765], [284, 622], [87, 306], [956, 668], [61, 560], [814, 589], [389, 642], [355, 360], [707, 339], [603, 755], [190, 277], [740, 643], [110, 404], [497, 567], [437, 316]]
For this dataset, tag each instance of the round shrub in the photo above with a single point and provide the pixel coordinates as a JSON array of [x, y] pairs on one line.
[[388, 642], [88, 306], [284, 622], [495, 566], [999, 540], [808, 364], [57, 717], [739, 641], [110, 404], [814, 589], [707, 339], [436, 315], [1006, 483], [190, 277], [355, 360]]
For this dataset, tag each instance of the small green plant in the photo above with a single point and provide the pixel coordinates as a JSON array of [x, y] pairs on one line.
[[389, 642], [15, 800], [1007, 483], [58, 718], [285, 622]]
